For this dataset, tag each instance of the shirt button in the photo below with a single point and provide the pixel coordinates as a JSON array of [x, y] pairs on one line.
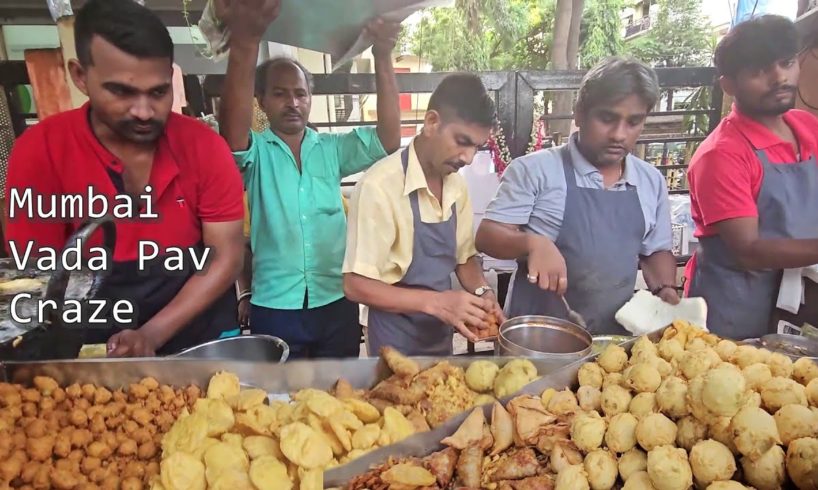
[[303, 218]]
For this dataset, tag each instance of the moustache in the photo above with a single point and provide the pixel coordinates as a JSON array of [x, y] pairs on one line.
[[783, 88], [134, 123]]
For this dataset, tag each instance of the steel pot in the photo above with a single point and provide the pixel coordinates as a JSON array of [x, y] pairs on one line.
[[558, 340], [258, 348]]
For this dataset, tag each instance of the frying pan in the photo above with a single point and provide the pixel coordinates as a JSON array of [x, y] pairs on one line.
[[52, 339]]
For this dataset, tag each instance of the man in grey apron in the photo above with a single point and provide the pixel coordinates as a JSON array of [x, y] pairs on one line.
[[754, 182], [581, 217], [410, 228]]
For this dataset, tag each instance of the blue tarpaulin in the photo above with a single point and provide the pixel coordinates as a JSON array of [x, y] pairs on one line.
[[747, 9]]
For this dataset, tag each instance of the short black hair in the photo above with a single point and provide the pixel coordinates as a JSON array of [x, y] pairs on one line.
[[756, 43], [463, 95], [264, 68], [124, 23], [613, 79]]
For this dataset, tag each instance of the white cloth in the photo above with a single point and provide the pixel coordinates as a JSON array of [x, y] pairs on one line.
[[791, 291], [646, 313]]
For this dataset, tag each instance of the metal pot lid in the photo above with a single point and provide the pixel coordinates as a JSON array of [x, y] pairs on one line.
[[793, 345]]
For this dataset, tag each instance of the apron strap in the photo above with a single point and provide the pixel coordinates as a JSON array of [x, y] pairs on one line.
[[568, 166]]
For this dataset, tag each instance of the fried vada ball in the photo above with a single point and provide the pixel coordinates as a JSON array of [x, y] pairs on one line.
[[670, 349], [268, 473], [694, 400], [671, 397], [508, 382], [563, 403], [746, 355], [804, 370], [778, 392], [689, 432], [669, 468], [613, 379], [695, 363], [755, 375], [36, 428], [643, 347], [632, 462], [767, 472], [572, 477], [146, 450], [780, 365], [711, 461], [45, 384], [40, 448], [725, 349], [588, 431], [794, 422], [480, 375], [811, 391], [615, 400], [754, 432], [643, 378], [600, 466], [655, 430], [723, 390], [613, 359], [802, 463], [589, 398], [640, 480], [590, 374], [643, 404], [621, 434], [131, 483]]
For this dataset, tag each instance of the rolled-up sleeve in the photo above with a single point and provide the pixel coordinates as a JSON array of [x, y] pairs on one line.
[[660, 237], [370, 234], [515, 198], [358, 150]]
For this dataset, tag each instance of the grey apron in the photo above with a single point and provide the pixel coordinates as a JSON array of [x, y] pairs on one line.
[[600, 238], [740, 302], [434, 258]]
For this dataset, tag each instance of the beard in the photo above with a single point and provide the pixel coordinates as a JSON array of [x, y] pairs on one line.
[[772, 103]]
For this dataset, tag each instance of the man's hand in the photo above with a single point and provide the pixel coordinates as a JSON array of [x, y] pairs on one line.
[[384, 35], [546, 265], [461, 310], [669, 296], [495, 310], [247, 19], [244, 312], [131, 343]]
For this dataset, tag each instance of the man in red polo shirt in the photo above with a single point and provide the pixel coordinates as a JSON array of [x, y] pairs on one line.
[[126, 142], [754, 182]]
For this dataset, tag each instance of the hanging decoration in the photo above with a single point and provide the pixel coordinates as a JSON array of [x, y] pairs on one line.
[[537, 136], [500, 154]]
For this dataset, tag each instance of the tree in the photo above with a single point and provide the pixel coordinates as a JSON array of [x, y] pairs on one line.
[[602, 33], [564, 51], [680, 36]]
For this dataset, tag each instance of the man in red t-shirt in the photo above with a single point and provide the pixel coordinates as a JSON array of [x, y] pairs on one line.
[[126, 142], [754, 182]]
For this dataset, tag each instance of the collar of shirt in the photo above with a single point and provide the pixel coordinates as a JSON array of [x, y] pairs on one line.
[[759, 135], [163, 170], [415, 180], [309, 140], [584, 168]]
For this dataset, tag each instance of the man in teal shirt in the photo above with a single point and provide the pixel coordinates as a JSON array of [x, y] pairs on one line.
[[292, 175]]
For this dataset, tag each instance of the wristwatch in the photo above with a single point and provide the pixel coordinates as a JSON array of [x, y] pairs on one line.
[[482, 290]]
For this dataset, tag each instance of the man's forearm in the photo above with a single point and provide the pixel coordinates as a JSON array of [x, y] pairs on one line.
[[388, 102], [659, 269], [504, 242], [386, 297], [778, 254], [236, 106], [245, 279], [471, 275], [198, 293]]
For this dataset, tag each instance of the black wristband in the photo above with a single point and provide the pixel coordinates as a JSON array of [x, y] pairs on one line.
[[659, 289]]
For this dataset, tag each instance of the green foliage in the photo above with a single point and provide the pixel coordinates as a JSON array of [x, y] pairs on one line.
[[601, 33], [679, 36]]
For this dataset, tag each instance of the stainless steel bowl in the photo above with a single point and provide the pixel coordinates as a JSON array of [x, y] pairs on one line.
[[794, 346], [257, 348], [544, 337]]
